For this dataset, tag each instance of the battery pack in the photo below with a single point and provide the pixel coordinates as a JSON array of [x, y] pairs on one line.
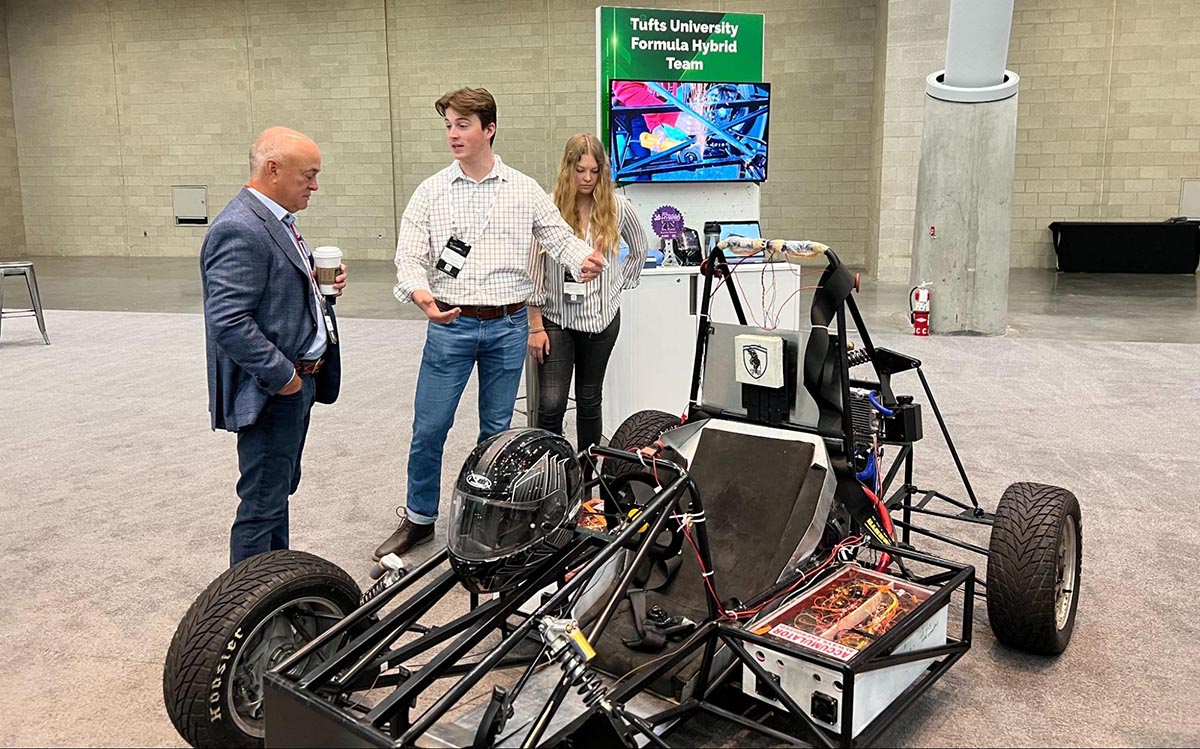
[[838, 620]]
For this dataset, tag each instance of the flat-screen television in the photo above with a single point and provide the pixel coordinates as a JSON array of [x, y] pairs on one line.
[[688, 131]]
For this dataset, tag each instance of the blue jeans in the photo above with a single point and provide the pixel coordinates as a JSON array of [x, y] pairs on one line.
[[269, 461], [451, 352]]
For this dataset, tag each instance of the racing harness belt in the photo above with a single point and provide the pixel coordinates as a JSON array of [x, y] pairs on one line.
[[826, 377]]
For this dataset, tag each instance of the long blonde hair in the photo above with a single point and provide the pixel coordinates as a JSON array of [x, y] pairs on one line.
[[604, 221]]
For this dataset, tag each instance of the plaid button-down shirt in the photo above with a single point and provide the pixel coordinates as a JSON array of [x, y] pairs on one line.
[[497, 216]]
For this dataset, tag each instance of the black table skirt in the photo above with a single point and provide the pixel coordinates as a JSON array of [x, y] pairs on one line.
[[1127, 247]]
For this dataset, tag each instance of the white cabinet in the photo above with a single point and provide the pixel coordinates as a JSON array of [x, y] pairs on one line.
[[651, 364]]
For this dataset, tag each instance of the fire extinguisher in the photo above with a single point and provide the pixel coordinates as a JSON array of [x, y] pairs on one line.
[[918, 309]]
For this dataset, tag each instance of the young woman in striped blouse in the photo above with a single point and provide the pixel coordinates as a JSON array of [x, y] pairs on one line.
[[573, 326]]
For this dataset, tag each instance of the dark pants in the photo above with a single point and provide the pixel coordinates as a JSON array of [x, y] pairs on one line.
[[269, 460], [586, 356]]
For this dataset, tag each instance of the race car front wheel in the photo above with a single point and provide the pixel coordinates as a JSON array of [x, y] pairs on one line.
[[1033, 571], [248, 620]]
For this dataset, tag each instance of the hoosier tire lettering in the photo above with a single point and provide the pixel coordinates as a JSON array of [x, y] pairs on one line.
[[214, 713]]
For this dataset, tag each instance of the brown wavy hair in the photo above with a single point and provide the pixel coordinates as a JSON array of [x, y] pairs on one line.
[[470, 101], [605, 220]]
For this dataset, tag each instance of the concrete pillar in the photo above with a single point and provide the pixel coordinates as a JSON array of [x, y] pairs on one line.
[[963, 210]]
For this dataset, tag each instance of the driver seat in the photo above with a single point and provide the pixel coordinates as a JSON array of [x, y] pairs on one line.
[[766, 493]]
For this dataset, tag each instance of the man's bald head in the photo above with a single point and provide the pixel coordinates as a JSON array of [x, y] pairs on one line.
[[276, 143], [283, 166]]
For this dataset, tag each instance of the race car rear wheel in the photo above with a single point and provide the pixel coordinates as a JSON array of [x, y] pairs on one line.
[[638, 431], [248, 620], [627, 484], [1033, 572]]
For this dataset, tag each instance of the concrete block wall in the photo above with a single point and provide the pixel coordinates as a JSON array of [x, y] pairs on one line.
[[571, 75], [12, 218], [878, 78], [915, 46], [820, 62], [178, 93], [115, 101], [436, 46], [1109, 118], [65, 110], [322, 67]]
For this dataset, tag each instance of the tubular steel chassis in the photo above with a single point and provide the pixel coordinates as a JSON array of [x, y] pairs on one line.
[[318, 708]]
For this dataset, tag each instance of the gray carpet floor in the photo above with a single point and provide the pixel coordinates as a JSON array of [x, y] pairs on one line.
[[116, 499]]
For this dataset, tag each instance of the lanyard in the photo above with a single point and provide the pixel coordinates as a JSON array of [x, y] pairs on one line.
[[487, 217], [302, 246], [587, 237], [322, 312]]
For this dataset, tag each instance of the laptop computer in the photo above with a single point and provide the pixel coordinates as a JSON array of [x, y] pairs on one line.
[[748, 229]]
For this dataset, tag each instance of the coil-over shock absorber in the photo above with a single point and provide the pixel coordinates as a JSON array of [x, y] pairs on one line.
[[858, 356], [386, 572], [568, 645]]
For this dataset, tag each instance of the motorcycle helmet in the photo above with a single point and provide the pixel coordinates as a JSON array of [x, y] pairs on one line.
[[516, 500]]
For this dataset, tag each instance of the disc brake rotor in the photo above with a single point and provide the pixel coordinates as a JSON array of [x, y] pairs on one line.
[[281, 633]]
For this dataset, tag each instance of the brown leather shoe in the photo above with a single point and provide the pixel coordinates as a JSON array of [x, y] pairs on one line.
[[408, 534]]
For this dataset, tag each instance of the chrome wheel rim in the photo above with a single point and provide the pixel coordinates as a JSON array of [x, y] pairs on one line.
[[1065, 579], [281, 633]]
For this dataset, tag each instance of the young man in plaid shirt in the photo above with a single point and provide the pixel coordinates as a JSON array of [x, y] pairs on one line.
[[463, 258]]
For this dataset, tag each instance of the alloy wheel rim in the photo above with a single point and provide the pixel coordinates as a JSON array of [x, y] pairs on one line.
[[1065, 580], [272, 641]]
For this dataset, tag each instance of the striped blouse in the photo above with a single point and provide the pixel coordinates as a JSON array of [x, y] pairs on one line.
[[602, 297]]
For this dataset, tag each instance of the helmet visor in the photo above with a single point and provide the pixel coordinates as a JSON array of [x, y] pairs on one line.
[[485, 529]]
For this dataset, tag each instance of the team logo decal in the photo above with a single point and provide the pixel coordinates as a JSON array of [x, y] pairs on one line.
[[755, 359]]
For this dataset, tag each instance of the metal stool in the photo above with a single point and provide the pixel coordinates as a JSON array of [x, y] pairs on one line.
[[531, 394], [23, 268]]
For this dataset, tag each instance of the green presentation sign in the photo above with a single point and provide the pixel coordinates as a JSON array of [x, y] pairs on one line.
[[678, 45]]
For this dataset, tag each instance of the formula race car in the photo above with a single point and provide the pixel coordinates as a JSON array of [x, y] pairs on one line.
[[749, 566]]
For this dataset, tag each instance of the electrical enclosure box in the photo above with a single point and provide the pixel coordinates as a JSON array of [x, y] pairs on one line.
[[1189, 199], [838, 619], [758, 360], [191, 204]]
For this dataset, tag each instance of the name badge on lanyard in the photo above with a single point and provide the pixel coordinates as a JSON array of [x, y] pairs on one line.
[[454, 256], [330, 330], [573, 291]]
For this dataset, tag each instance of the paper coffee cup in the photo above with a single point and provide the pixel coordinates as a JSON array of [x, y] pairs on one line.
[[327, 260]]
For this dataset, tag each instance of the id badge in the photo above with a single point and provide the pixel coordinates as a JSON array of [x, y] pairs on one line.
[[574, 291], [330, 330], [454, 255]]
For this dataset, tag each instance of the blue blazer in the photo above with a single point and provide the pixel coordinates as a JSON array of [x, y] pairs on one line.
[[259, 313]]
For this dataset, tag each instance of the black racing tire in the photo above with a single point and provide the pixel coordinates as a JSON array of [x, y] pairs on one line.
[[625, 484], [211, 641], [1033, 573], [638, 431]]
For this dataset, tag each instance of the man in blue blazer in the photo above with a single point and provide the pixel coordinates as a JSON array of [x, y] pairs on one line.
[[271, 336]]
